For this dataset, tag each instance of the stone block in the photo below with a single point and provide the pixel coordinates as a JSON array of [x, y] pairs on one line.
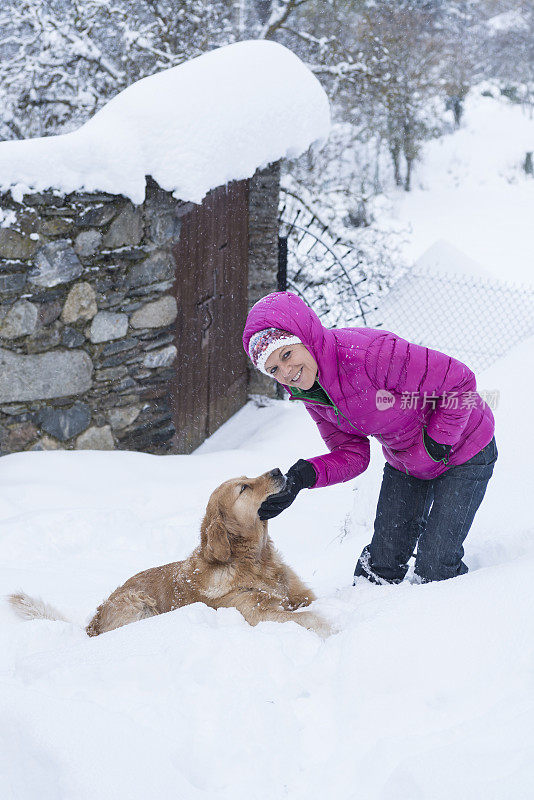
[[20, 320], [111, 373], [55, 226], [70, 337], [121, 358], [46, 443], [122, 417], [157, 314], [125, 230], [20, 436], [28, 223], [157, 267], [153, 288], [97, 216], [55, 262], [87, 243], [134, 253], [44, 339], [80, 304], [157, 339], [126, 385], [108, 325], [119, 347], [49, 312], [96, 197], [57, 211], [165, 228], [64, 423], [14, 245], [160, 358], [40, 199], [12, 282], [14, 410], [96, 439], [44, 376], [107, 295]]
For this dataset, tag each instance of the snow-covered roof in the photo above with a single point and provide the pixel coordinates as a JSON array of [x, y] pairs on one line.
[[213, 119]]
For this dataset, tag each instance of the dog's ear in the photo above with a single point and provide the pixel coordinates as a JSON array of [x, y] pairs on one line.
[[217, 544]]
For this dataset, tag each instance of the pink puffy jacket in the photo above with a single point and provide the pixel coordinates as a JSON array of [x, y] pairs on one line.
[[380, 385]]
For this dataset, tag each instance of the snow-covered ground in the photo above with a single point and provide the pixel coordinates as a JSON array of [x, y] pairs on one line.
[[427, 692], [470, 190]]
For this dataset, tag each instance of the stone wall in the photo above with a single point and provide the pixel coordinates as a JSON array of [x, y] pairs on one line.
[[87, 315], [87, 321]]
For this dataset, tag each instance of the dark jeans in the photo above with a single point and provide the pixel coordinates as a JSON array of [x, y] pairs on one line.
[[435, 515]]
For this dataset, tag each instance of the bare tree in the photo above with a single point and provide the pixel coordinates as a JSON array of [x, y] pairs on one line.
[[401, 47]]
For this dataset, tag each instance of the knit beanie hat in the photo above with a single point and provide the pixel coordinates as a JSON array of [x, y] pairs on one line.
[[263, 343]]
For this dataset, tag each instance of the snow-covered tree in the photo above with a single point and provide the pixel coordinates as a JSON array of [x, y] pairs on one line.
[[511, 51], [464, 46], [60, 61]]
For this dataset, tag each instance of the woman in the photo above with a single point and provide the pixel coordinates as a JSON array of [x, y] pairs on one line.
[[422, 406]]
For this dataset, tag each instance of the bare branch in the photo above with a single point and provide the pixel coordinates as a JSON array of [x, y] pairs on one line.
[[279, 16]]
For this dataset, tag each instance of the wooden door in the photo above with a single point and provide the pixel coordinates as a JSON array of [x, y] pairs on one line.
[[211, 290]]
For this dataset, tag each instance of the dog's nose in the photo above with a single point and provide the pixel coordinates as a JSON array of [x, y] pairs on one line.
[[275, 473]]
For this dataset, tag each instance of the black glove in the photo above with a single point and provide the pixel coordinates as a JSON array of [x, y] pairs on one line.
[[300, 476], [436, 451]]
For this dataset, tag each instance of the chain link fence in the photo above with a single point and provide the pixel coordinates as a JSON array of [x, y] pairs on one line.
[[474, 320]]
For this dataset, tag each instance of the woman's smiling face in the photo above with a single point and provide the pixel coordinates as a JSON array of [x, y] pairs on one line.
[[292, 365]]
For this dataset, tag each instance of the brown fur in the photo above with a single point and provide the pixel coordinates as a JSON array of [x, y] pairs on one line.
[[235, 565]]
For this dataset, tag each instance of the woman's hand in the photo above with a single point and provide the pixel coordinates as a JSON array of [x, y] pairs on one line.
[[300, 476], [436, 451]]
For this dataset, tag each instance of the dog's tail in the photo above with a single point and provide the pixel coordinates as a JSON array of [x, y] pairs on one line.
[[32, 608]]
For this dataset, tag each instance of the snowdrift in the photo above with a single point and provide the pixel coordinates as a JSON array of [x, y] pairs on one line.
[[193, 127], [425, 694]]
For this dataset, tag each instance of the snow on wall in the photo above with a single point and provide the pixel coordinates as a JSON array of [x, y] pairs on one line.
[[213, 119]]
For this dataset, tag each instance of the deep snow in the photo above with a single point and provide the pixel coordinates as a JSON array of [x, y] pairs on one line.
[[427, 691], [470, 190], [193, 127]]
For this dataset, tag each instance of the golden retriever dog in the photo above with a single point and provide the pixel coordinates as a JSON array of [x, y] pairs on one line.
[[235, 566]]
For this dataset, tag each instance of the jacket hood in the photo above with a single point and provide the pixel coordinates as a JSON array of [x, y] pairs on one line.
[[288, 312]]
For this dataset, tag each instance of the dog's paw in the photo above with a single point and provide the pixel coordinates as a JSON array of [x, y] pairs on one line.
[[313, 622], [325, 629]]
